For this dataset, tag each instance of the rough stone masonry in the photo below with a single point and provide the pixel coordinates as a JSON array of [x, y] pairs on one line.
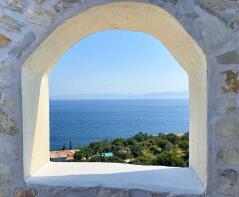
[[213, 24]]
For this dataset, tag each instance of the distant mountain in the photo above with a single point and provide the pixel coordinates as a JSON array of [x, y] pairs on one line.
[[157, 95], [168, 95]]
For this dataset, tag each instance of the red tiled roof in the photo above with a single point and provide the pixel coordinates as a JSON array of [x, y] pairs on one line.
[[69, 154]]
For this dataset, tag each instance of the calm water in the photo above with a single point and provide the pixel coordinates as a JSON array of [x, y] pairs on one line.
[[85, 121]]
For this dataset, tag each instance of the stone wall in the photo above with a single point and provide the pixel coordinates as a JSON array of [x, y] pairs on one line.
[[213, 24]]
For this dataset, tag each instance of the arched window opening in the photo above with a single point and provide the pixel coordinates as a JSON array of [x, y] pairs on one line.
[[136, 17], [119, 96]]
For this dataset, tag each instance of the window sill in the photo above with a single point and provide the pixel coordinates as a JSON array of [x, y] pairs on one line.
[[115, 175]]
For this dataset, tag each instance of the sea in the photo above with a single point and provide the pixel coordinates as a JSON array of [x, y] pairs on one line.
[[84, 121]]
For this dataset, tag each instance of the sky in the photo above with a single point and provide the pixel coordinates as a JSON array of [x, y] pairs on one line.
[[117, 61]]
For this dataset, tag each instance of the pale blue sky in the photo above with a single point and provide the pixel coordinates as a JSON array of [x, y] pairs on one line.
[[117, 62]]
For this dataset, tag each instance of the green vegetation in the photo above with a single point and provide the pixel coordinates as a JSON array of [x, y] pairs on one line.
[[162, 149]]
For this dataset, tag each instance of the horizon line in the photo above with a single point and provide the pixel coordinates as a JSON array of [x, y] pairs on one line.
[[76, 99]]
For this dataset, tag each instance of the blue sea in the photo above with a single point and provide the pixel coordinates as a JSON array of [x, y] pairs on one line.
[[85, 121]]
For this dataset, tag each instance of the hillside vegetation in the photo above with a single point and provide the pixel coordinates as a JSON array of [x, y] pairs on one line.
[[162, 149]]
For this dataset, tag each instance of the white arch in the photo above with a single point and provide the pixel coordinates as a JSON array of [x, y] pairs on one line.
[[123, 15]]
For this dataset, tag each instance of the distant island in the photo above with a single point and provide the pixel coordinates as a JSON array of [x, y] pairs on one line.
[[157, 95], [143, 149]]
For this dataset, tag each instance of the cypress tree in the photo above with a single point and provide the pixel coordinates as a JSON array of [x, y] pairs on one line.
[[70, 145]]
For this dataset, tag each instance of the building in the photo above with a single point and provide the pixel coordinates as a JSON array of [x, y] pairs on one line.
[[62, 155]]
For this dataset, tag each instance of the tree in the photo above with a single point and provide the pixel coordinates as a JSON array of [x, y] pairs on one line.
[[185, 136], [79, 155], [70, 147], [169, 159], [162, 149], [173, 138], [63, 147], [136, 150], [155, 149], [162, 142], [123, 154], [140, 137], [184, 144], [142, 160], [168, 146]]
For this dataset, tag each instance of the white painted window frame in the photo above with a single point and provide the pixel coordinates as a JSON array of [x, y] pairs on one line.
[[138, 17]]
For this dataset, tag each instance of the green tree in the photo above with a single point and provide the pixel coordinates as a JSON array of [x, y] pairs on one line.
[[142, 160], [169, 159], [173, 138], [140, 137], [70, 147], [184, 145], [136, 150], [185, 136], [168, 146], [63, 147], [155, 149], [162, 142], [162, 149]]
